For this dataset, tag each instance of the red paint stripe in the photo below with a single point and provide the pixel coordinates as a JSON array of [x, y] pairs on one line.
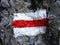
[[31, 23]]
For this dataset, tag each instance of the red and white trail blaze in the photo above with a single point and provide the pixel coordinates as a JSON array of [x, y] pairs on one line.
[[29, 24]]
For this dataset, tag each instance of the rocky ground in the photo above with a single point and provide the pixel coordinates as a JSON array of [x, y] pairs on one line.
[[8, 7]]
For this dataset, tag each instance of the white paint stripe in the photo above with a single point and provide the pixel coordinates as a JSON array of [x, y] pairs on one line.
[[29, 31], [30, 16]]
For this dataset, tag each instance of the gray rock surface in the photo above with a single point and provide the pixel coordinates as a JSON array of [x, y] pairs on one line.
[[17, 6]]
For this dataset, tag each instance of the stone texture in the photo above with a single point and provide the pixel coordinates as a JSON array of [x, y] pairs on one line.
[[19, 6]]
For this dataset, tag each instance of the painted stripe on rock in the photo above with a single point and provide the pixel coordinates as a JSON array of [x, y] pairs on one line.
[[29, 31], [30, 16], [31, 23]]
